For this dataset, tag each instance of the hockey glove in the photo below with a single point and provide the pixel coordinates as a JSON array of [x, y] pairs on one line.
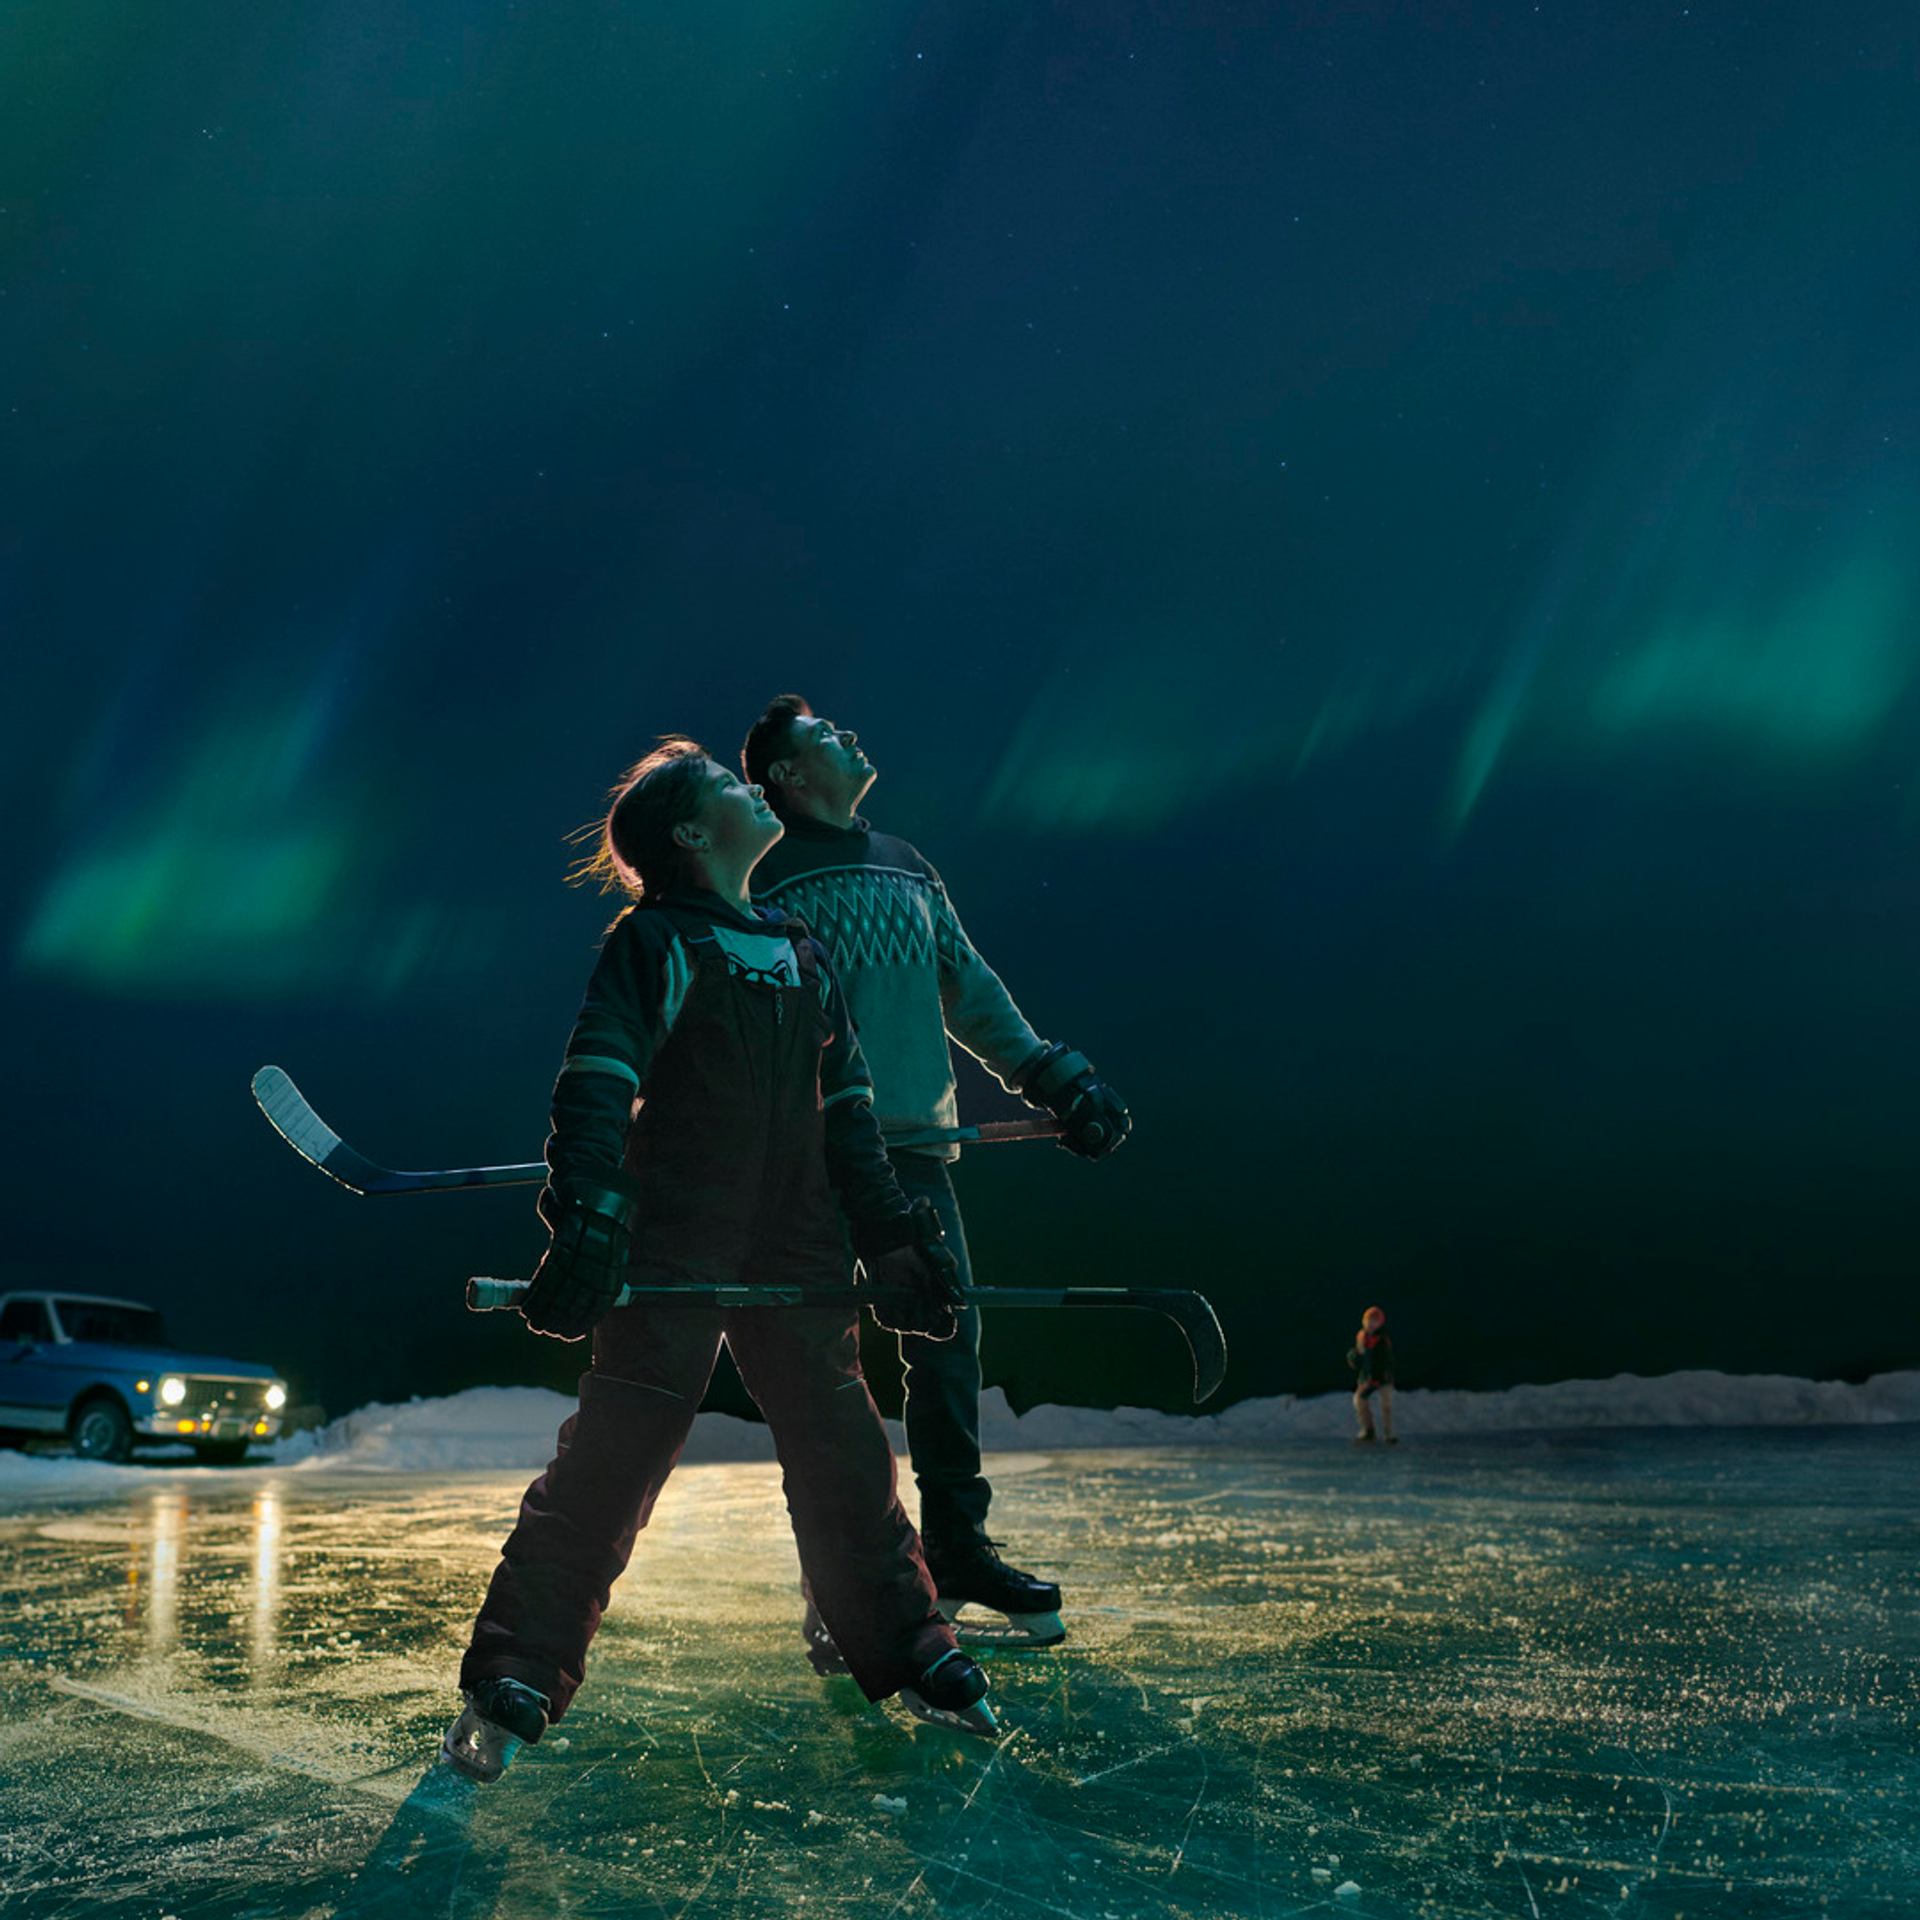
[[586, 1265], [906, 1262], [1094, 1117]]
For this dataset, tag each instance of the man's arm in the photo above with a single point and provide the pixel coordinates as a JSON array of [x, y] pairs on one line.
[[980, 1013], [981, 1016]]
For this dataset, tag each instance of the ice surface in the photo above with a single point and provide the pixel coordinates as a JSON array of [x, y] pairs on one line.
[[1632, 1673]]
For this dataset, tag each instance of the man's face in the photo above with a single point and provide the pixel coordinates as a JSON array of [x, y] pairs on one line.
[[826, 760], [733, 821]]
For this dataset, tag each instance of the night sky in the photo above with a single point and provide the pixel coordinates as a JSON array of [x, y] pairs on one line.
[[1376, 546]]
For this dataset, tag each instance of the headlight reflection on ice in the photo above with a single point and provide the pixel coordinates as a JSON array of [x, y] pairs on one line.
[[168, 1513], [264, 1634]]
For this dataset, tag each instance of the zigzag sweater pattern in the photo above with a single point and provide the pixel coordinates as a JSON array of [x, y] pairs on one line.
[[911, 976]]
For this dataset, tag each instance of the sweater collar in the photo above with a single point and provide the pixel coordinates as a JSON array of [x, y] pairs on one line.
[[803, 826]]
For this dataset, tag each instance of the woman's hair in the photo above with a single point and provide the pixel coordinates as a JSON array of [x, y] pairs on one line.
[[632, 849]]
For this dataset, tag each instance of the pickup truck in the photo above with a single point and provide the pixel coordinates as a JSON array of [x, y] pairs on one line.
[[104, 1373]]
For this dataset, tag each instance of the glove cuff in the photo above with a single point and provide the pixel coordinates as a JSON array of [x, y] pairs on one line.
[[610, 1204], [614, 1196], [1053, 1075], [918, 1226]]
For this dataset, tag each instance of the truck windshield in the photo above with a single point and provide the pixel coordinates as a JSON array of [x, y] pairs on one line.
[[116, 1325]]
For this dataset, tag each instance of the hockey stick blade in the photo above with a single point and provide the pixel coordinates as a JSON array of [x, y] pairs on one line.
[[292, 1116], [1191, 1312]]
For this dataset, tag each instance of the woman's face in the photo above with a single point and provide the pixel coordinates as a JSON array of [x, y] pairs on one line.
[[734, 818]]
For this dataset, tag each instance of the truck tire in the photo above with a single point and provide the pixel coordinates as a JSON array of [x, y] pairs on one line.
[[100, 1429]]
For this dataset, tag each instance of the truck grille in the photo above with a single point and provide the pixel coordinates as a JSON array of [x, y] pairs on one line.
[[223, 1396]]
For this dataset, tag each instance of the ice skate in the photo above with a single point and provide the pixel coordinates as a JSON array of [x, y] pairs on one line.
[[952, 1693], [822, 1655], [501, 1717], [975, 1575]]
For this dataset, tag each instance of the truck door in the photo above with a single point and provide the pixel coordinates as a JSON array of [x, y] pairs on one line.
[[32, 1387]]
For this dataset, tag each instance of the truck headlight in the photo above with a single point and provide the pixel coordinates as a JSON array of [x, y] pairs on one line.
[[276, 1397], [172, 1390]]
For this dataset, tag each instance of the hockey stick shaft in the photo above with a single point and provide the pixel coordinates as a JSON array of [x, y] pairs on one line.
[[292, 1116], [1191, 1312]]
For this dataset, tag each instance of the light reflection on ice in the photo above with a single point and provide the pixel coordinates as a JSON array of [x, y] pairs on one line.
[[262, 1640], [167, 1510]]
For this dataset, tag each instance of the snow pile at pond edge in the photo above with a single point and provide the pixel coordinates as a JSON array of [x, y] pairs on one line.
[[514, 1426]]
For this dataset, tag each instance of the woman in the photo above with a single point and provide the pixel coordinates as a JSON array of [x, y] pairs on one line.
[[711, 1105]]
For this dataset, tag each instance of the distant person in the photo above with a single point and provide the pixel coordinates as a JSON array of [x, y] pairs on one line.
[[913, 980], [1371, 1358]]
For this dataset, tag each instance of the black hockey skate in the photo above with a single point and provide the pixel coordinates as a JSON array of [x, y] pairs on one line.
[[822, 1655], [952, 1693], [973, 1574], [501, 1717]]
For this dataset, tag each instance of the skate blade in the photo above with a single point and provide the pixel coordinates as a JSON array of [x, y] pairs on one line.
[[478, 1748], [1007, 1630], [977, 1718]]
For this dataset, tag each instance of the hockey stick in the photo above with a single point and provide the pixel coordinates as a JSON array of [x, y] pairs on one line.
[[1191, 1312], [294, 1119]]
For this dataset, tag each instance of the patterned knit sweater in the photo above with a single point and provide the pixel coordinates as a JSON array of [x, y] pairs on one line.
[[911, 976]]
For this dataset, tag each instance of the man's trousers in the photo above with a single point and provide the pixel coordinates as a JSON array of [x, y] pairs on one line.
[[942, 1379]]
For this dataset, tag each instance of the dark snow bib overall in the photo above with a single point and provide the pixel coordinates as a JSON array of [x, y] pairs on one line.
[[728, 1142]]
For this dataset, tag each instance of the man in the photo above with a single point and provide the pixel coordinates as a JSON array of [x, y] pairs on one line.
[[913, 979], [712, 1104]]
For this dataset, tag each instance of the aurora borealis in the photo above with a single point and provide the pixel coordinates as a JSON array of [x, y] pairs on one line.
[[1376, 547]]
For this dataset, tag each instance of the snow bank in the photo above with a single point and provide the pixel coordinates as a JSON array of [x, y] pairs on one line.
[[488, 1427], [1700, 1399], [512, 1428], [55, 1474]]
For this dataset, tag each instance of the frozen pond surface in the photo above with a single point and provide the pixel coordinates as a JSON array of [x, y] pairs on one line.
[[1633, 1674]]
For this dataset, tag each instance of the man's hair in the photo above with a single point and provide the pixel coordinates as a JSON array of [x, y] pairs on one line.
[[770, 738], [633, 848]]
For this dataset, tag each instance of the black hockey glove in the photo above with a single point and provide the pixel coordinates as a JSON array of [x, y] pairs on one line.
[[586, 1265], [1094, 1117], [906, 1260]]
